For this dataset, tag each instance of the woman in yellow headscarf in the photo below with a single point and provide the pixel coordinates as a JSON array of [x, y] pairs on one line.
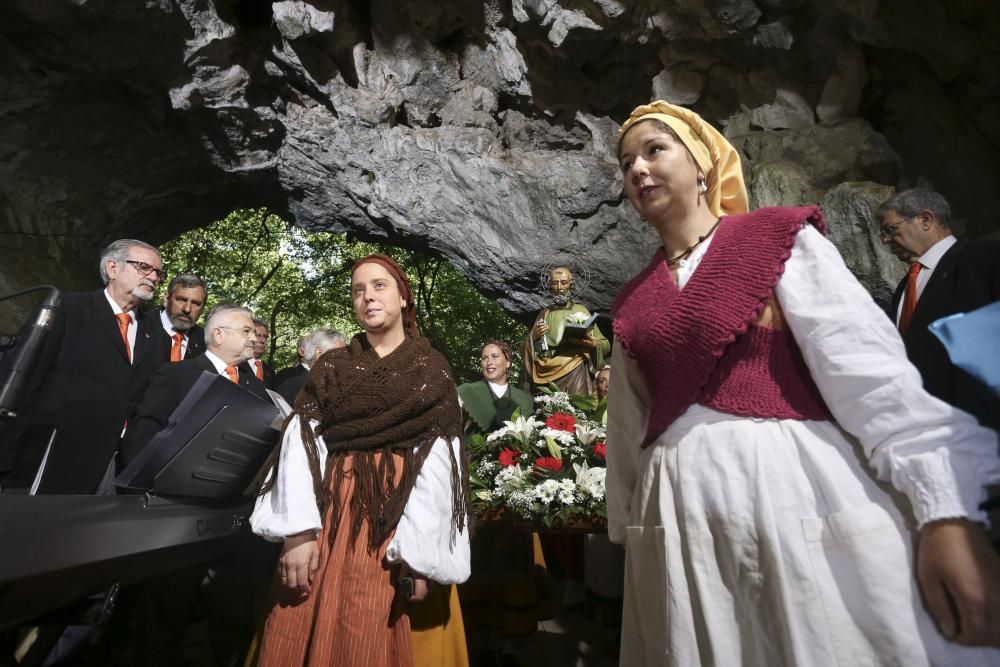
[[757, 380]]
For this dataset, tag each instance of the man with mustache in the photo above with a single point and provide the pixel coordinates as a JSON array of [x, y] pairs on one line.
[[165, 604], [230, 337], [550, 354], [946, 276], [182, 306], [107, 352]]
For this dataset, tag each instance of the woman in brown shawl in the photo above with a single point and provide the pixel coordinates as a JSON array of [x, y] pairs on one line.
[[369, 490]]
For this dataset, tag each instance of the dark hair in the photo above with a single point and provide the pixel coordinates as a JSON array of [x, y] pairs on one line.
[[508, 353], [504, 347], [188, 280], [910, 203]]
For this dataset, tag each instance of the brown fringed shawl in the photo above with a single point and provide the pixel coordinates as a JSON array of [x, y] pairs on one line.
[[367, 405]]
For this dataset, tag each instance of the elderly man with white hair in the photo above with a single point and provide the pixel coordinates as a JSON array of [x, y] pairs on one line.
[[107, 351], [315, 344]]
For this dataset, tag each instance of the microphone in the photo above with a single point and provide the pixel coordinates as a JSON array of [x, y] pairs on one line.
[[18, 367]]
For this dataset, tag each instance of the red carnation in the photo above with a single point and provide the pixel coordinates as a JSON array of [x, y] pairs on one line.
[[560, 421], [600, 450], [550, 463], [509, 457]]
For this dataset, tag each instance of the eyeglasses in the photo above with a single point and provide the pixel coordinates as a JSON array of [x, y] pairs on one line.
[[145, 269], [245, 331], [888, 231]]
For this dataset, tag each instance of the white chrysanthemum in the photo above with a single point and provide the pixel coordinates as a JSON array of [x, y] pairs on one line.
[[547, 491], [567, 497], [564, 438]]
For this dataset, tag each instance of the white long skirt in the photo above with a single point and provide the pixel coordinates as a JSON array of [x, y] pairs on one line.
[[767, 542]]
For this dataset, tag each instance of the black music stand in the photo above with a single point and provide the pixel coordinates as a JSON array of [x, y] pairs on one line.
[[213, 446]]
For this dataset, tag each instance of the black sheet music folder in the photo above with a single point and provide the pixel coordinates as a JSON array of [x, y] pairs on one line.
[[214, 444]]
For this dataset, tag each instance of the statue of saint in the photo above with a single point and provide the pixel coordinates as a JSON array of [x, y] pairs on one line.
[[564, 346]]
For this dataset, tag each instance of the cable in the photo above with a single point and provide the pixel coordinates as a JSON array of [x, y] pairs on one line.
[[27, 291]]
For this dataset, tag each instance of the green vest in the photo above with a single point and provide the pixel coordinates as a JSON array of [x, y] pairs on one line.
[[487, 410]]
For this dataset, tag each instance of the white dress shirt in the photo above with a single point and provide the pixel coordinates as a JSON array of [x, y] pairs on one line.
[[220, 365], [498, 389]]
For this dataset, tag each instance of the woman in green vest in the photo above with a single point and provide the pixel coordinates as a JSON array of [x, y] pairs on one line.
[[491, 401], [501, 605]]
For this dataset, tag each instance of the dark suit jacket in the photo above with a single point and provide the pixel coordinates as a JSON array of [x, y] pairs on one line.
[[291, 387], [90, 390], [286, 374], [966, 278], [196, 338], [268, 372], [166, 390]]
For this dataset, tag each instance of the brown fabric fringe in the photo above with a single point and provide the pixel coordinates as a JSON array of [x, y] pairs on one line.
[[366, 404]]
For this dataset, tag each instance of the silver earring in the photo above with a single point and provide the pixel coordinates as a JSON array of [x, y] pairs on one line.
[[702, 186]]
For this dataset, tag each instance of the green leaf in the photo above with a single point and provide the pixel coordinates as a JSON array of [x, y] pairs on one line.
[[553, 447]]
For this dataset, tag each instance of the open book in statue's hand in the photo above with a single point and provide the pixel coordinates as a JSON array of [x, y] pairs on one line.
[[577, 329]]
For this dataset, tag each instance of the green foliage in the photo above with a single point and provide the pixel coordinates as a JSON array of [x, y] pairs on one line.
[[297, 281]]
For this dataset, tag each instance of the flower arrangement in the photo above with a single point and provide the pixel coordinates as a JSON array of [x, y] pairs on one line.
[[545, 468]]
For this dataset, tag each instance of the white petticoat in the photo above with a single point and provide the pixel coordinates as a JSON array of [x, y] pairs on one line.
[[767, 542]]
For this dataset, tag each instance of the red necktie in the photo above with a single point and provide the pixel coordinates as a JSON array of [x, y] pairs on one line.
[[233, 374], [124, 319], [910, 298], [260, 369], [177, 349]]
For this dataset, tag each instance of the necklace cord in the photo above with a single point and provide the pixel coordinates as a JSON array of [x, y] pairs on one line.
[[691, 248]]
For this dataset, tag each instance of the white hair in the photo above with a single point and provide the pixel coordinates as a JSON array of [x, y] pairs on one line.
[[321, 339], [118, 251], [221, 310]]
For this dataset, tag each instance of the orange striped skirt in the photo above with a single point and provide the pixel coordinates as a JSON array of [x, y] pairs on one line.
[[351, 616]]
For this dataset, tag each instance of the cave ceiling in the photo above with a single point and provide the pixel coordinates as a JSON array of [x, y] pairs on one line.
[[481, 132]]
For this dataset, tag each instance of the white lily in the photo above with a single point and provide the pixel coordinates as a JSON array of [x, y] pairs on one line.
[[522, 428], [588, 435], [591, 480]]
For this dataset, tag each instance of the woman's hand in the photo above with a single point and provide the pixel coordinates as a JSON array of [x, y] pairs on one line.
[[421, 585], [959, 575], [299, 561]]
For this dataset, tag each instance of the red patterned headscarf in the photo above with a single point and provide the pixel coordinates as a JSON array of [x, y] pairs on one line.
[[395, 270]]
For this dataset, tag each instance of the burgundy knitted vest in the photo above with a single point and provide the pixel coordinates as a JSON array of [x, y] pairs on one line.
[[698, 344]]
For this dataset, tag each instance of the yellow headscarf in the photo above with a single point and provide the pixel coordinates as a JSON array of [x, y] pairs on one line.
[[727, 194]]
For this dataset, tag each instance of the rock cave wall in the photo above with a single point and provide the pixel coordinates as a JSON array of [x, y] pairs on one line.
[[483, 132]]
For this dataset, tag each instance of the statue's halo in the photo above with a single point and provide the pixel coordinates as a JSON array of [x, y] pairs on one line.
[[581, 276]]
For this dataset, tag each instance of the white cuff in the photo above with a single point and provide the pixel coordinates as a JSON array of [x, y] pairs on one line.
[[424, 538]]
